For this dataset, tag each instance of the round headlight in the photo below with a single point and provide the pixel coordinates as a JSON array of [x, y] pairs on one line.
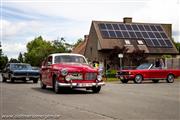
[[68, 78], [99, 77], [64, 72]]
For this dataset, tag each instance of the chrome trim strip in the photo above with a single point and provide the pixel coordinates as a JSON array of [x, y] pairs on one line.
[[76, 84]]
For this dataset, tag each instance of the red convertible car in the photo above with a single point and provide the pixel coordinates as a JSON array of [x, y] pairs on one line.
[[66, 70], [148, 71]]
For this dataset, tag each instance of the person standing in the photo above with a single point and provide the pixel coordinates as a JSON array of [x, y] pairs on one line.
[[161, 63]]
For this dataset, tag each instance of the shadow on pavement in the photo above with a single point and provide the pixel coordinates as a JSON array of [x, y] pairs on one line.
[[64, 91]]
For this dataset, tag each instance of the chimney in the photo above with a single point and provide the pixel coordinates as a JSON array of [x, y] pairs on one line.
[[127, 19]]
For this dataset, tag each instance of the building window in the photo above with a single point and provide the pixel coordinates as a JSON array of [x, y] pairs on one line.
[[127, 42], [140, 42]]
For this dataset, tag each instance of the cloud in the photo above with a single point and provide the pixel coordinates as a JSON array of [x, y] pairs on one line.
[[161, 11], [23, 20]]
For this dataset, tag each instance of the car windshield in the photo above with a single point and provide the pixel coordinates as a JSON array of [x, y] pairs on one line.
[[69, 59], [144, 66], [21, 67]]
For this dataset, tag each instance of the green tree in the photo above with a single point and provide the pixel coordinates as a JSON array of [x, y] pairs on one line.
[[38, 49], [13, 60], [78, 42], [177, 44], [20, 58], [3, 59]]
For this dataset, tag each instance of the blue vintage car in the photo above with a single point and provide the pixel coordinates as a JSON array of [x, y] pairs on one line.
[[20, 71]]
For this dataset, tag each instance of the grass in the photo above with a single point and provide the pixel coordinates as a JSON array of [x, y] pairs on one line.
[[110, 79]]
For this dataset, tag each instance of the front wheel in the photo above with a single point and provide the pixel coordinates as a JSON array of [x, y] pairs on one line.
[[170, 78], [11, 79], [35, 81], [4, 79], [96, 89], [56, 87], [138, 79], [43, 86]]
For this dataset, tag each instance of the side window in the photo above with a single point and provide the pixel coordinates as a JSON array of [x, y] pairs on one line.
[[48, 61]]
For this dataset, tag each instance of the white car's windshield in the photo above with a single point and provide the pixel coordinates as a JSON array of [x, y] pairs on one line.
[[69, 59]]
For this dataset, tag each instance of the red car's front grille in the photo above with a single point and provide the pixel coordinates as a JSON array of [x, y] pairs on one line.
[[90, 76], [81, 76]]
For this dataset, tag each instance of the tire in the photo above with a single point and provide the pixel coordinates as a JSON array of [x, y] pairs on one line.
[[56, 87], [4, 79], [35, 81], [138, 79], [124, 81], [43, 86], [170, 78], [11, 79], [96, 89], [155, 81]]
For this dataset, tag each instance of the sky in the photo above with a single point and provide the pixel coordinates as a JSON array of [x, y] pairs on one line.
[[23, 20]]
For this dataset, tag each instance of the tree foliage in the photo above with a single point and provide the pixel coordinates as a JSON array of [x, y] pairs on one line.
[[38, 49], [138, 57], [20, 58], [3, 59], [78, 42], [177, 44], [113, 55]]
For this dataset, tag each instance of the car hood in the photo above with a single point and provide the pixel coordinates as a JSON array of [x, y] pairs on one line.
[[78, 67]]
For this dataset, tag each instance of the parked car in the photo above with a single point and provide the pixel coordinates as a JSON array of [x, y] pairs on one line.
[[67, 70], [148, 71], [20, 71]]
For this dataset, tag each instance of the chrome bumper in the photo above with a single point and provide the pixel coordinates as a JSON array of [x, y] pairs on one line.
[[83, 85]]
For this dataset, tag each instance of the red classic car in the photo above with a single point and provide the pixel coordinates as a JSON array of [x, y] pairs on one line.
[[148, 71], [66, 70]]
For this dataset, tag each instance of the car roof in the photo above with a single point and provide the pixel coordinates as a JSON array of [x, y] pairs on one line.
[[56, 54]]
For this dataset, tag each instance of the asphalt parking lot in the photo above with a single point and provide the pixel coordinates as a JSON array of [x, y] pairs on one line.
[[147, 101]]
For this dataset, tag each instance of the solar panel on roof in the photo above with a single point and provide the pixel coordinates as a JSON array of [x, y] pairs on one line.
[[115, 26], [105, 33], [119, 34], [132, 35], [122, 27], [102, 26], [129, 27], [109, 26], [153, 34], [112, 34], [147, 28], [159, 28]]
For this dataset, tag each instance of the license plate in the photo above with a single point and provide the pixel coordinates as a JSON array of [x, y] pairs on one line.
[[27, 78], [85, 85]]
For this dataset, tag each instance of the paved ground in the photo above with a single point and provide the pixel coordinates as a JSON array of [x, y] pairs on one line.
[[147, 101]]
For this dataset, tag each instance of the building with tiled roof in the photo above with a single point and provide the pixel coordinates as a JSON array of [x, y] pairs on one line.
[[155, 39]]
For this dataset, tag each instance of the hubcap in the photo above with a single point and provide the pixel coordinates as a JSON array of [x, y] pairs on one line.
[[138, 78], [170, 78]]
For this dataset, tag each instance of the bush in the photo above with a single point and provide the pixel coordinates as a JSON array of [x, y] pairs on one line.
[[111, 73]]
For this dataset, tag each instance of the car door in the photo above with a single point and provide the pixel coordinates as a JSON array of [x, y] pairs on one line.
[[43, 71], [46, 71], [49, 70], [157, 73]]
